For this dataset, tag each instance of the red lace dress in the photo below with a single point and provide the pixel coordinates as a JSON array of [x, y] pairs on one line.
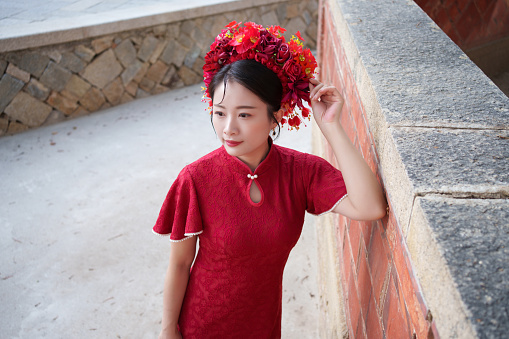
[[235, 286]]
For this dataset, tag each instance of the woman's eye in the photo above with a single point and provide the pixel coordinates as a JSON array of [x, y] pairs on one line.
[[244, 115], [218, 113]]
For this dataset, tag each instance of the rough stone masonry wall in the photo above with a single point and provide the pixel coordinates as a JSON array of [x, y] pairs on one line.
[[47, 84], [434, 129]]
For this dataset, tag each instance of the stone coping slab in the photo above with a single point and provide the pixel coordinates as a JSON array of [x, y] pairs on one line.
[[420, 76], [61, 30], [467, 245]]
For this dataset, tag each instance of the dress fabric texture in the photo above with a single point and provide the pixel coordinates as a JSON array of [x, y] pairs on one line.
[[235, 285]]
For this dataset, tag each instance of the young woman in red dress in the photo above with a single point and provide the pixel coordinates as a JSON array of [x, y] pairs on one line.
[[246, 200]]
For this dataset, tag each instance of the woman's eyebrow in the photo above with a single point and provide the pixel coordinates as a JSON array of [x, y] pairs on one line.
[[238, 107]]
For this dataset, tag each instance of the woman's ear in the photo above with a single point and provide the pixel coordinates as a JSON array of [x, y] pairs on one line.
[[279, 115]]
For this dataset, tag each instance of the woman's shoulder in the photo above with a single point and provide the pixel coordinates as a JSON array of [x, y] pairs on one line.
[[205, 163], [289, 155]]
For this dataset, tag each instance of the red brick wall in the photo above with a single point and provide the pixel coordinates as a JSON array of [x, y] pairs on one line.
[[469, 23], [380, 289]]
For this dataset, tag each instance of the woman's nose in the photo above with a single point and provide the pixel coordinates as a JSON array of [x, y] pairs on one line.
[[231, 127]]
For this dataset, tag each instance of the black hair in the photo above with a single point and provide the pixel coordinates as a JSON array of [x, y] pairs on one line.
[[255, 77]]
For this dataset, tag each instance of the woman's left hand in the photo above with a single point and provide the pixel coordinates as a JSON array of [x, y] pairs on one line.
[[326, 102]]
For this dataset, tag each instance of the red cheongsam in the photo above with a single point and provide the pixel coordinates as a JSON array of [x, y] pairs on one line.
[[235, 286]]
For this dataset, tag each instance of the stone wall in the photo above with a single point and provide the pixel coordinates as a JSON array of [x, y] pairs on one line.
[[47, 84], [435, 131]]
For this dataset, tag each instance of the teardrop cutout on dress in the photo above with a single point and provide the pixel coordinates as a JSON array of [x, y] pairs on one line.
[[254, 192]]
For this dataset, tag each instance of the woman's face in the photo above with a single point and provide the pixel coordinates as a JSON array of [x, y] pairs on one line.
[[241, 123]]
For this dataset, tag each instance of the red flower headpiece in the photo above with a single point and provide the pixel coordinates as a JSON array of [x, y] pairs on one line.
[[293, 64]]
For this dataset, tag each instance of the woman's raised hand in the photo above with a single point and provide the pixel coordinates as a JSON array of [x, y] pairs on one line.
[[326, 102]]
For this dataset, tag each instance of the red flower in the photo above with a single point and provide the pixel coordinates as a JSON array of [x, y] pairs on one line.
[[283, 53], [293, 70]]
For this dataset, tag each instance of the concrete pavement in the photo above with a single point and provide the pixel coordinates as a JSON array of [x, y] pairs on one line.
[[78, 201]]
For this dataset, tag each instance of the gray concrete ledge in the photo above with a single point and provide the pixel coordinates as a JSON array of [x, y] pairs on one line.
[[92, 25], [440, 126]]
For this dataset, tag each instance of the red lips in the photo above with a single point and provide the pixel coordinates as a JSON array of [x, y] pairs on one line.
[[232, 143]]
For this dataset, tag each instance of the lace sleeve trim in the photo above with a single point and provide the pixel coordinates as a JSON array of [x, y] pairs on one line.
[[187, 235], [334, 206]]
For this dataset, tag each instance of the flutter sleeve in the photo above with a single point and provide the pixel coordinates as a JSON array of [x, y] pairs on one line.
[[325, 185], [180, 216]]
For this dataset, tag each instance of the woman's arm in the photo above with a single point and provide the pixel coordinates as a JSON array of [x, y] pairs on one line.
[[175, 283], [365, 200]]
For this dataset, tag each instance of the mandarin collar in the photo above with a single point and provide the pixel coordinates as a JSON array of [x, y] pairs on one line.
[[239, 166]]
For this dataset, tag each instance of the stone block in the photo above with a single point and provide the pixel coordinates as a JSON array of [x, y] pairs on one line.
[[130, 72], [16, 127], [9, 87], [269, 18], [3, 66], [92, 100], [131, 88], [200, 37], [198, 65], [84, 53], [459, 162], [126, 98], [37, 90], [141, 94], [126, 53], [77, 86], [157, 71], [208, 23], [72, 62], [54, 117], [187, 27], [34, 63], [169, 76], [281, 12], [4, 125], [159, 30], [141, 73], [312, 30], [102, 44], [186, 41], [294, 25], [102, 70], [148, 47], [69, 95], [28, 110], [461, 246], [54, 55], [113, 92], [188, 76], [307, 18], [174, 53], [173, 30], [191, 56], [146, 85], [312, 6], [157, 52], [79, 112], [61, 103], [159, 89], [55, 77], [18, 73]]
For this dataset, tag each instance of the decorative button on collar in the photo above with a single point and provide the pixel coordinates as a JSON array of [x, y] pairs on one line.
[[252, 177]]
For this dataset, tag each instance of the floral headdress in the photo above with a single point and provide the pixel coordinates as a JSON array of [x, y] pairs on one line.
[[293, 64]]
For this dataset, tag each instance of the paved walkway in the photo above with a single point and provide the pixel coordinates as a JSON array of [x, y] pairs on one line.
[[77, 205]]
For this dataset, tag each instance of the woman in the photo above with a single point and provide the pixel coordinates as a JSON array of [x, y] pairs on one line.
[[247, 199]]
